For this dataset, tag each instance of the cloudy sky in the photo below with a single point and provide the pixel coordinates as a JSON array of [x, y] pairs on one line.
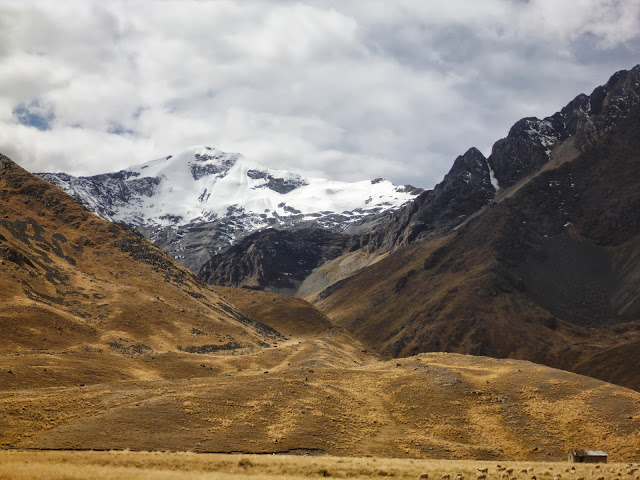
[[342, 89]]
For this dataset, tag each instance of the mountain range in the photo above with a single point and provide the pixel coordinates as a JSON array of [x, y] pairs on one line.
[[396, 300], [201, 201], [110, 344], [528, 253]]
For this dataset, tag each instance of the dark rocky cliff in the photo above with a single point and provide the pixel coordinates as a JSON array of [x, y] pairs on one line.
[[274, 260], [522, 152]]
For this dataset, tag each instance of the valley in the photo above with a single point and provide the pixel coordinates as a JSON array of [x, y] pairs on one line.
[[494, 317], [312, 397]]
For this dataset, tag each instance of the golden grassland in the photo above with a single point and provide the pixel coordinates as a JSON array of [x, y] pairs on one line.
[[124, 465], [429, 406]]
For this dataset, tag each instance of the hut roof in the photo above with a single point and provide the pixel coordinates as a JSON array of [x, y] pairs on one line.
[[587, 453]]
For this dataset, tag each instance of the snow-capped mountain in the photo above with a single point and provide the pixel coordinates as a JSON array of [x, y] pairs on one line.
[[200, 201]]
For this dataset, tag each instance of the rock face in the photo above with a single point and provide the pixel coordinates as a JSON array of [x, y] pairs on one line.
[[465, 189], [530, 141], [275, 260], [527, 148], [198, 203]]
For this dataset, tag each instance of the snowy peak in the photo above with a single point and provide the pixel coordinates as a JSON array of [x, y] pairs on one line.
[[230, 196], [203, 184], [196, 162], [212, 164]]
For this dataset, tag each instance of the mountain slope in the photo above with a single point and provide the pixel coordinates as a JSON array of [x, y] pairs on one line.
[[201, 201], [71, 281], [551, 273]]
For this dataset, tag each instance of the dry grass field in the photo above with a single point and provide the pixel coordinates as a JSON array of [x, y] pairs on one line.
[[114, 465], [305, 398]]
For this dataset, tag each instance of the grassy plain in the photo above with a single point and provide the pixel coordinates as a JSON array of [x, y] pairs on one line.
[[65, 465], [309, 400]]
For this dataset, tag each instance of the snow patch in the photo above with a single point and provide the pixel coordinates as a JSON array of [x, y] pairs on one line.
[[493, 179], [543, 132]]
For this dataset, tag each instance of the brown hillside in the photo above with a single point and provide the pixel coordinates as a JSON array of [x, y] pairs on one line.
[[550, 274], [72, 282], [290, 315]]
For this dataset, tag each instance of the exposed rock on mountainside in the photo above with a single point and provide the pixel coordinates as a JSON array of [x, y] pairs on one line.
[[275, 260], [525, 150], [465, 189], [198, 203]]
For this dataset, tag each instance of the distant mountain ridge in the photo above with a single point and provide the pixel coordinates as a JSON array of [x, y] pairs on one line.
[[202, 200]]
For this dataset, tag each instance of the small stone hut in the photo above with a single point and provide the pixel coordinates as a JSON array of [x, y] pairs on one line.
[[587, 456]]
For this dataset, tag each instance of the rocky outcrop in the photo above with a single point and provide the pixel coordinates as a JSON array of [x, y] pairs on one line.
[[530, 141], [274, 260], [526, 148], [465, 189]]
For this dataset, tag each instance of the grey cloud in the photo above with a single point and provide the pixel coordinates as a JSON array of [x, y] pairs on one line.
[[348, 90]]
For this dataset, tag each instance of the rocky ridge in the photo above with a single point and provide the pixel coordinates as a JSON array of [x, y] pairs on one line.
[[275, 260], [525, 150]]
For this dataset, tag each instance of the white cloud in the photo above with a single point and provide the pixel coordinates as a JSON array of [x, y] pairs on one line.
[[348, 90]]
